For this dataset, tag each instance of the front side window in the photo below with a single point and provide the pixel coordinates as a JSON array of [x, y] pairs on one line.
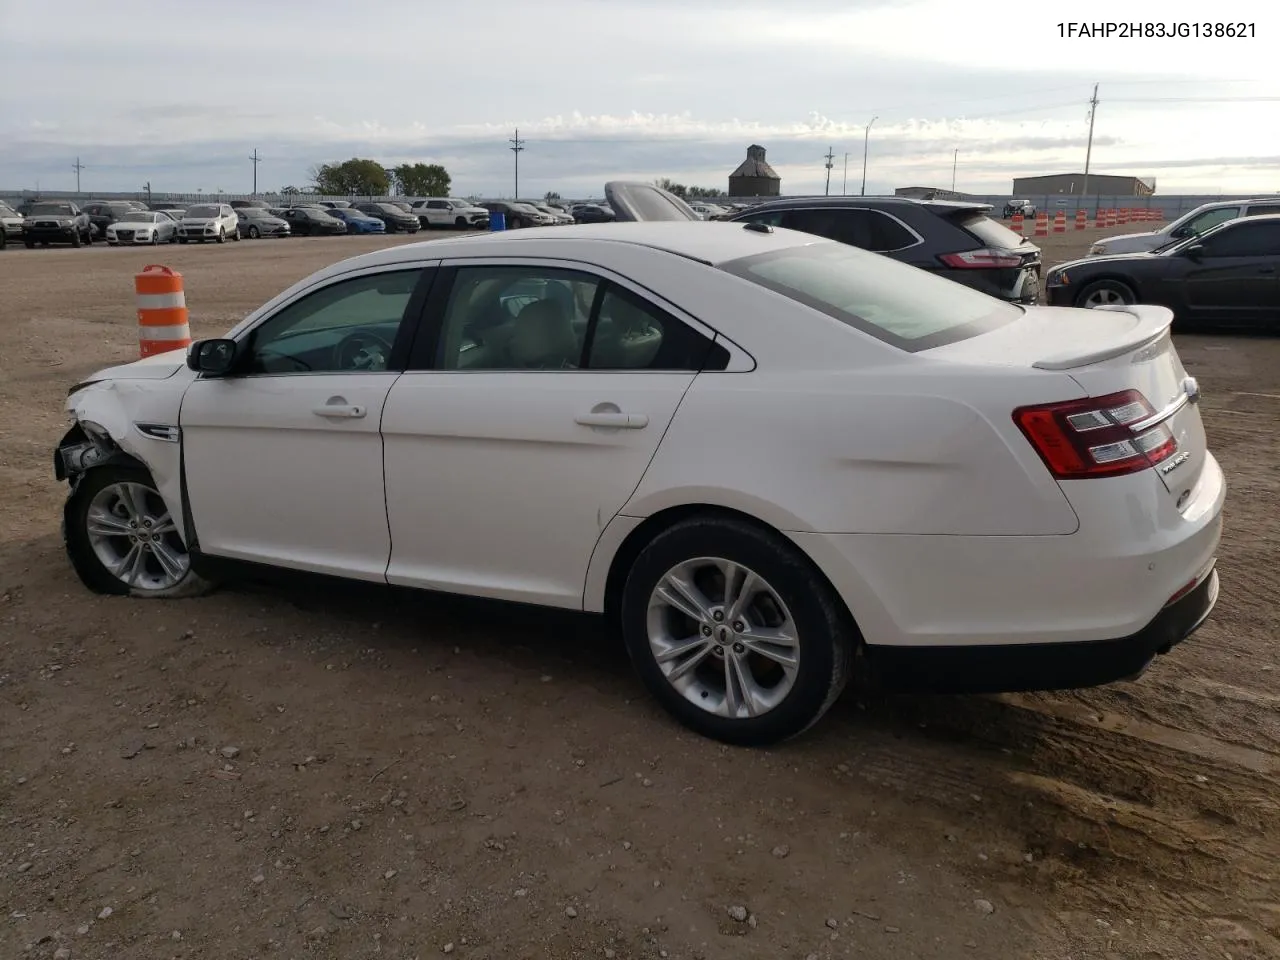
[[345, 327], [1244, 239], [892, 301], [1210, 218]]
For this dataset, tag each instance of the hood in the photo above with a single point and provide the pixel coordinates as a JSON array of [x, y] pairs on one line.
[[159, 366], [1104, 258], [131, 225], [197, 221]]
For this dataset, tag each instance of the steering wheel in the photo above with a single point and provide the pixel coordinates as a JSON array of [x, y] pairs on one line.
[[361, 351]]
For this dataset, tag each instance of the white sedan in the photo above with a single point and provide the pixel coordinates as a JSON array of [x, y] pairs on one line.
[[769, 459], [142, 226]]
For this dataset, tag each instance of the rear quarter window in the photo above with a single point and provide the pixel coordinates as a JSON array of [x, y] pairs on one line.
[[989, 232], [899, 304]]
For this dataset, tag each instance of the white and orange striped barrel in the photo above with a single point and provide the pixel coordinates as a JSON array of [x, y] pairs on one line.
[[1060, 222], [1082, 218], [1042, 224], [162, 311], [1016, 223]]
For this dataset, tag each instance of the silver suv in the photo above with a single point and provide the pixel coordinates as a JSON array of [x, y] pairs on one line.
[[1188, 225]]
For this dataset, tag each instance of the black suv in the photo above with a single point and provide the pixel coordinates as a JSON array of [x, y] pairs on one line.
[[55, 221], [396, 219], [955, 239], [103, 213]]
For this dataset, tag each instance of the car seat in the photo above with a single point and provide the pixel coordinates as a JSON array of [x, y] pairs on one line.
[[542, 338]]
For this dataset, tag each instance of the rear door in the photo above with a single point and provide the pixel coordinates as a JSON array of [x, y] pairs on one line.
[[1235, 280], [522, 430]]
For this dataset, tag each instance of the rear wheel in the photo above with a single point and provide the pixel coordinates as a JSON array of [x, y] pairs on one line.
[[122, 539], [1103, 293], [734, 633]]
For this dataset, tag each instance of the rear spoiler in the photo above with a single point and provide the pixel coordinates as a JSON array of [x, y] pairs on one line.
[[1153, 324], [957, 206]]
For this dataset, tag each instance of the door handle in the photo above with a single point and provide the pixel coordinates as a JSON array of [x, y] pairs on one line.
[[625, 421], [1266, 269], [338, 408]]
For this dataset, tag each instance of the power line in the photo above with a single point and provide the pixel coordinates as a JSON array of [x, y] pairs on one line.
[[77, 167], [517, 145]]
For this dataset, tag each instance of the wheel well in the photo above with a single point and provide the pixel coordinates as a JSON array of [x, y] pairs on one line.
[[652, 526], [1113, 278]]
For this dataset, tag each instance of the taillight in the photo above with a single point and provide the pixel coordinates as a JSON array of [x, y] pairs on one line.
[[984, 259], [1096, 437]]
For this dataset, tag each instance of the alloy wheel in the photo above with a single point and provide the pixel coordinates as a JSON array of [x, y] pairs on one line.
[[723, 637], [133, 535]]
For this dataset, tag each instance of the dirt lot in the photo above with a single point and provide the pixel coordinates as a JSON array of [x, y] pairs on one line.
[[418, 776]]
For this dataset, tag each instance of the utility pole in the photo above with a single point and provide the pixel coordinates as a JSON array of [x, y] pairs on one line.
[[830, 158], [844, 184], [147, 187], [954, 160], [516, 146], [77, 167], [1088, 152], [256, 160], [866, 139]]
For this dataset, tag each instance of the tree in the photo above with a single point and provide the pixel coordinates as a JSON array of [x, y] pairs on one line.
[[705, 192], [421, 179], [669, 185], [289, 191], [551, 196], [351, 177]]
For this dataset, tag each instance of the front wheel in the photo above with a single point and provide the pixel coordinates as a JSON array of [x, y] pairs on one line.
[[1105, 293], [122, 540], [222, 235], [254, 233], [734, 632]]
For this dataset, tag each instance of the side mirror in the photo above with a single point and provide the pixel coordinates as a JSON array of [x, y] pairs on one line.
[[214, 357], [1195, 251], [1180, 233]]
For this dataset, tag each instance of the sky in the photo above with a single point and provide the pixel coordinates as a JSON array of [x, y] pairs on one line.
[[180, 93]]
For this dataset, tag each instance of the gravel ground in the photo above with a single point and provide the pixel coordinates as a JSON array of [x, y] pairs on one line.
[[359, 772]]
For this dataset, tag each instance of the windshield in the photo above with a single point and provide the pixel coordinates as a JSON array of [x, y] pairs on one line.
[[138, 216], [7, 211], [62, 208], [206, 212], [894, 302]]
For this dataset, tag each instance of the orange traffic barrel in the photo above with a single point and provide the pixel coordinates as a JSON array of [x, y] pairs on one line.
[[1042, 224], [1016, 223], [1082, 219], [162, 311], [1060, 222], [1124, 215]]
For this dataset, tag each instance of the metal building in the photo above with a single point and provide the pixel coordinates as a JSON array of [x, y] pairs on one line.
[[1099, 185], [754, 177]]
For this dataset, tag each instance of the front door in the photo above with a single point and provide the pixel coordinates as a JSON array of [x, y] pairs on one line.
[[1235, 278], [283, 460], [528, 427]]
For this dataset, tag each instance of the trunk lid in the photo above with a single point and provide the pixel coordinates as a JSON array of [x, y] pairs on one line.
[[1107, 350]]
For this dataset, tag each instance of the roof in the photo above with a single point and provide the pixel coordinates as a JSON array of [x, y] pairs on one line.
[[791, 203], [755, 165], [707, 241]]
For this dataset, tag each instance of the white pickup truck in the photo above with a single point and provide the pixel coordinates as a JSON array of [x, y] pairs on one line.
[[448, 212]]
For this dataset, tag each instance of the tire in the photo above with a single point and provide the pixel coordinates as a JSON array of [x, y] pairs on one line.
[[155, 239], [182, 239], [88, 238], [99, 498], [254, 233], [222, 235], [825, 638], [235, 235], [460, 223], [76, 239], [29, 244], [1102, 292]]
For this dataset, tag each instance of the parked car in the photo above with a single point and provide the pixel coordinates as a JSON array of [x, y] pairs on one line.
[[556, 217], [1024, 207], [450, 212], [333, 204], [1226, 276], [517, 214], [10, 222], [142, 226], [103, 213], [209, 221], [592, 213], [174, 213], [256, 222], [55, 221], [954, 239], [358, 221], [396, 219], [312, 222], [710, 211], [1036, 505], [1202, 218], [248, 204]]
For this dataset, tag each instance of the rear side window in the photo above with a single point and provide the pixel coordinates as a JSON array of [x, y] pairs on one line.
[[892, 301], [1258, 209], [989, 232], [1244, 239]]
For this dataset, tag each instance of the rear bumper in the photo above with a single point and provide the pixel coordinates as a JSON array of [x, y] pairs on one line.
[[1044, 666]]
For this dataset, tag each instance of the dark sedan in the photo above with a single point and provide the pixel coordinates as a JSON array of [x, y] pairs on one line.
[[592, 213], [103, 213], [255, 222], [396, 220], [952, 239], [1229, 276], [312, 222]]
